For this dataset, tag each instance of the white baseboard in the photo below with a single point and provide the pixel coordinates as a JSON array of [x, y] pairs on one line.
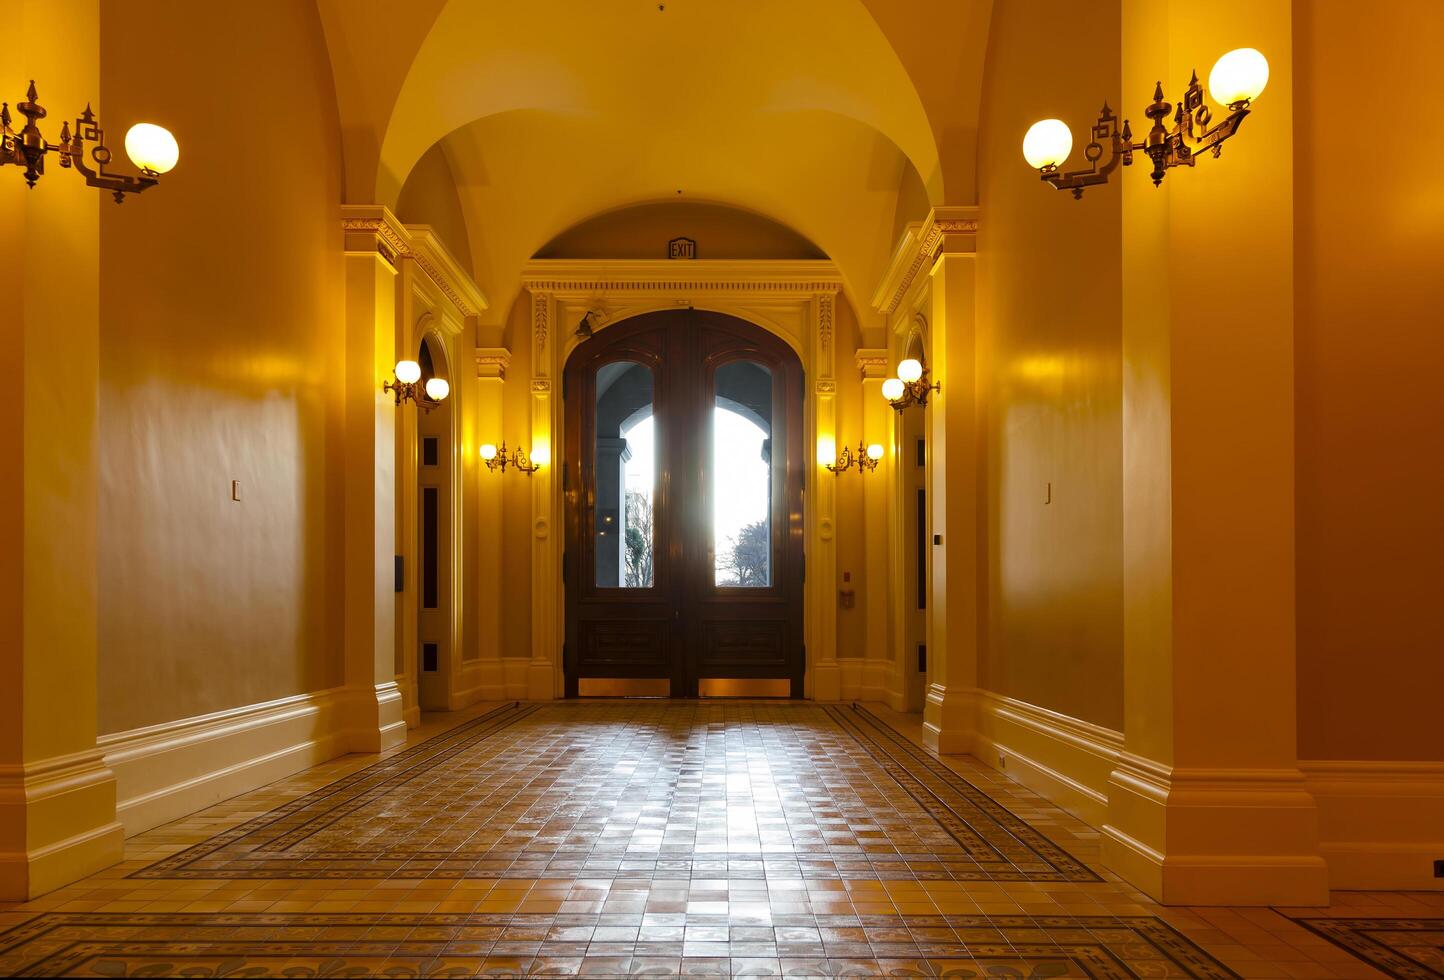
[[1063, 759], [865, 679], [166, 771], [1381, 824]]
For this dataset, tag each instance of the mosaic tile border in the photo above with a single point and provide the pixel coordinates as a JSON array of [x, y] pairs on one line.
[[995, 844], [456, 944], [1384, 942], [958, 797]]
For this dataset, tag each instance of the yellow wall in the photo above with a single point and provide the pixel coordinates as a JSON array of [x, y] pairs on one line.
[[430, 198], [221, 306], [1049, 300], [1369, 399]]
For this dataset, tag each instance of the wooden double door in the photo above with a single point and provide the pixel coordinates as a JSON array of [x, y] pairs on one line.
[[683, 483]]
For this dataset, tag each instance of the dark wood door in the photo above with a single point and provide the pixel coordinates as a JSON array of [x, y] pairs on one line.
[[683, 478]]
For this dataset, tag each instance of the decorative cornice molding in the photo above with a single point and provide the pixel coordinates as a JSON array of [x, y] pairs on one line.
[[826, 387], [568, 277], [491, 361], [442, 268], [419, 243], [871, 361], [541, 384], [918, 249]]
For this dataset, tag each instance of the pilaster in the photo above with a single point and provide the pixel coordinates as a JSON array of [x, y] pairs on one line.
[[821, 584], [953, 474], [544, 672], [491, 367], [878, 493], [373, 242], [1207, 804], [57, 796]]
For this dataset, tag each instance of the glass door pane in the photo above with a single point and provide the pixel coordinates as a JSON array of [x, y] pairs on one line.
[[625, 476], [741, 474]]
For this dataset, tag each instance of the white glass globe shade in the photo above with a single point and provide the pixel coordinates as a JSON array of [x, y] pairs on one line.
[[437, 389], [874, 450], [541, 455], [151, 148], [1047, 143], [909, 370], [1239, 76], [892, 389], [408, 372], [488, 451], [826, 451]]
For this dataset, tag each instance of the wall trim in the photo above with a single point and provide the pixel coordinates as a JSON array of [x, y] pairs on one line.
[[1061, 758], [916, 250], [175, 768], [1381, 823]]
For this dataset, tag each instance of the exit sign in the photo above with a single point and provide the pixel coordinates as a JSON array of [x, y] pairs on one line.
[[682, 248]]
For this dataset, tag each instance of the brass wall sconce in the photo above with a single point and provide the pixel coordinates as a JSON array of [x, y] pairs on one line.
[[1236, 81], [866, 459], [151, 148], [497, 459], [407, 387], [910, 387]]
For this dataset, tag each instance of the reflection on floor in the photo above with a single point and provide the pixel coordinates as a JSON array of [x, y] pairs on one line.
[[656, 837]]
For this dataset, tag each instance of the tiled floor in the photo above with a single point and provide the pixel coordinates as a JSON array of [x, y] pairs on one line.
[[641, 838]]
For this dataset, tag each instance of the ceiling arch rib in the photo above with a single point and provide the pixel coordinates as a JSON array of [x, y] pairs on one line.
[[631, 63]]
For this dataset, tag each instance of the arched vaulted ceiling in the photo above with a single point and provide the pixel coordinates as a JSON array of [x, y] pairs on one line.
[[814, 112]]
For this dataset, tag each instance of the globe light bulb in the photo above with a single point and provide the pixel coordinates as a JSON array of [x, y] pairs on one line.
[[909, 370], [1238, 77], [874, 450], [541, 455], [892, 389], [488, 451], [151, 148], [437, 389], [826, 451], [408, 372], [1047, 144]]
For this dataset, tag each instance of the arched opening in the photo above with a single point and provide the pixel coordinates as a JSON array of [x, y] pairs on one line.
[[436, 660], [913, 457], [684, 463]]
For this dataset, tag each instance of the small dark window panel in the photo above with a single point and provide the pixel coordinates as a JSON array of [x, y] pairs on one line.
[[428, 657], [922, 658], [428, 451], [922, 535], [428, 547], [922, 452]]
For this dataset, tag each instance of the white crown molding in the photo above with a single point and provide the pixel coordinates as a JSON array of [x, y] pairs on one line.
[[919, 247], [384, 233], [492, 361], [871, 361], [582, 278]]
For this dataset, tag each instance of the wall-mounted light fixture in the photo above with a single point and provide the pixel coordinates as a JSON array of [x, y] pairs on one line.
[[910, 387], [407, 386], [497, 459], [151, 148], [866, 459], [1236, 81]]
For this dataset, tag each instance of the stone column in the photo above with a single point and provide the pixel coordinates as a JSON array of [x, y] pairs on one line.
[[373, 241], [953, 478], [1207, 804], [57, 796]]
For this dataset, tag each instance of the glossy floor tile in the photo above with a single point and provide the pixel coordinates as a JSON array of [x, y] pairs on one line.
[[626, 838]]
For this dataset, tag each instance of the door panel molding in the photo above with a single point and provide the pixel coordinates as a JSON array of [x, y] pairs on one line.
[[793, 300]]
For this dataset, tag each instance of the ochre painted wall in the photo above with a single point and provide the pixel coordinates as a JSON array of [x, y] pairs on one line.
[[1049, 298], [429, 197], [220, 327], [1369, 397]]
